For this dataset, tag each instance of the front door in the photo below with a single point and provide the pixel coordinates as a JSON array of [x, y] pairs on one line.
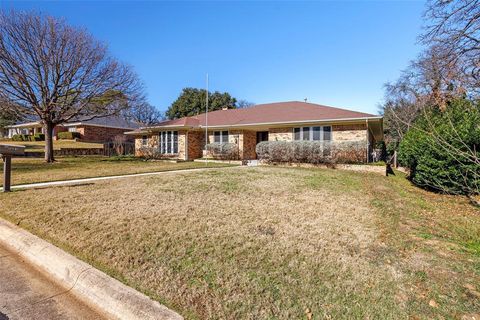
[[262, 136]]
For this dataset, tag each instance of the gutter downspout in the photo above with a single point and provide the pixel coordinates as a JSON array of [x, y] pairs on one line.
[[206, 123], [186, 146], [368, 140]]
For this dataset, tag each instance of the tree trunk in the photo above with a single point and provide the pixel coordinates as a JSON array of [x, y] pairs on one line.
[[49, 142]]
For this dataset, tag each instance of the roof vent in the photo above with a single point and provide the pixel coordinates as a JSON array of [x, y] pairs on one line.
[[225, 108]]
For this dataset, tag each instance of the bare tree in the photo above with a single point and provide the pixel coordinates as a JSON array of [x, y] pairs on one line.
[[59, 72], [9, 113], [145, 114], [435, 100], [455, 25], [244, 104], [398, 117], [431, 79]]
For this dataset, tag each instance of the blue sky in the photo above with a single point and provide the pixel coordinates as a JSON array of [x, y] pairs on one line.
[[334, 53]]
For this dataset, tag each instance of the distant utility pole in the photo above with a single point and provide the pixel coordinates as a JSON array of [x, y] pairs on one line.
[[206, 120]]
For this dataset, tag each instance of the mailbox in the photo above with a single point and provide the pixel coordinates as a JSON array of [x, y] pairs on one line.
[[6, 152], [8, 149]]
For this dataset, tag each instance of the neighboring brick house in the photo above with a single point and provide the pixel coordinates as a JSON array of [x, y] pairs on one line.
[[184, 138], [95, 130]]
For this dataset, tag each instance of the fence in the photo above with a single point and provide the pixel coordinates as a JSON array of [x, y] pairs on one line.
[[112, 149]]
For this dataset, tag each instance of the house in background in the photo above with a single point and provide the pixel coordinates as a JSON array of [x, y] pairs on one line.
[[96, 130], [184, 138]]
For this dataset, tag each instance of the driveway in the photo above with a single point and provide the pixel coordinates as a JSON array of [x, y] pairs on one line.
[[25, 293]]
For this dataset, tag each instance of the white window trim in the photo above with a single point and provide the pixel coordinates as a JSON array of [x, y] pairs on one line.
[[172, 141], [221, 136], [310, 132]]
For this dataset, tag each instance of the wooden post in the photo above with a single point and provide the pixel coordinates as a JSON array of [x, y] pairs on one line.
[[7, 172], [6, 152]]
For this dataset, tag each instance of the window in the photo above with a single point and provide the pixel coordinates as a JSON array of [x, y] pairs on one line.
[[220, 136], [144, 140], [162, 141], [327, 133], [168, 142], [296, 133], [316, 133], [72, 129], [217, 136], [313, 133], [175, 141], [306, 133]]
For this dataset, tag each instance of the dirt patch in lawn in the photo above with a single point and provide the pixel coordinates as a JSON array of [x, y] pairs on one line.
[[256, 243]]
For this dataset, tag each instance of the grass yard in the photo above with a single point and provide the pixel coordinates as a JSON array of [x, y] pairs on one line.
[[30, 170], [39, 146], [271, 243]]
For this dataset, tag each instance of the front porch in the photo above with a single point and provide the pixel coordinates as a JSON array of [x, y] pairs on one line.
[[27, 128]]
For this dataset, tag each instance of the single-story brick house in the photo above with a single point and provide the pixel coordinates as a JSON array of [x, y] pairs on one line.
[[95, 130], [184, 138]]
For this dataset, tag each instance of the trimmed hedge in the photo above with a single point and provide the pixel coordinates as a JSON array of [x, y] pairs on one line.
[[315, 152], [17, 137], [441, 148], [223, 151], [39, 137], [67, 135], [27, 137], [22, 137]]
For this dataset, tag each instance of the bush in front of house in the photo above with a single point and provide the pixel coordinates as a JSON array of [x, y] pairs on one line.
[[223, 151], [17, 137], [441, 149], [151, 153], [67, 135], [39, 137], [314, 152], [350, 152]]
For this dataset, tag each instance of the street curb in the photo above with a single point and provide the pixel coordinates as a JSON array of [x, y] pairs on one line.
[[101, 291]]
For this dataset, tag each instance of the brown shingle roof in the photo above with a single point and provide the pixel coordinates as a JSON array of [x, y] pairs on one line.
[[280, 112]]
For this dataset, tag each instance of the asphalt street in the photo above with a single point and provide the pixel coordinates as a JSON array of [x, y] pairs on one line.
[[25, 293]]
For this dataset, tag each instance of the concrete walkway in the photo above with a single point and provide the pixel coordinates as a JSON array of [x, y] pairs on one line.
[[25, 293], [91, 180]]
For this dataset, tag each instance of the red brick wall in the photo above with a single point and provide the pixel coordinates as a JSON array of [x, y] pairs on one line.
[[101, 134], [195, 144], [249, 145]]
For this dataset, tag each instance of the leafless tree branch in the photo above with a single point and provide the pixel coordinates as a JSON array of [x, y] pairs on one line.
[[59, 72]]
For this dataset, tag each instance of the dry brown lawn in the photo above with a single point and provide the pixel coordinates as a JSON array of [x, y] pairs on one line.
[[270, 243], [31, 170]]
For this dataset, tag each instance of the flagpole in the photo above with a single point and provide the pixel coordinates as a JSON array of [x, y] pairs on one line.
[[206, 123]]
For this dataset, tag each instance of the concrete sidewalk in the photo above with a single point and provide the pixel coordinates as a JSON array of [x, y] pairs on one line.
[[25, 293], [91, 180]]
